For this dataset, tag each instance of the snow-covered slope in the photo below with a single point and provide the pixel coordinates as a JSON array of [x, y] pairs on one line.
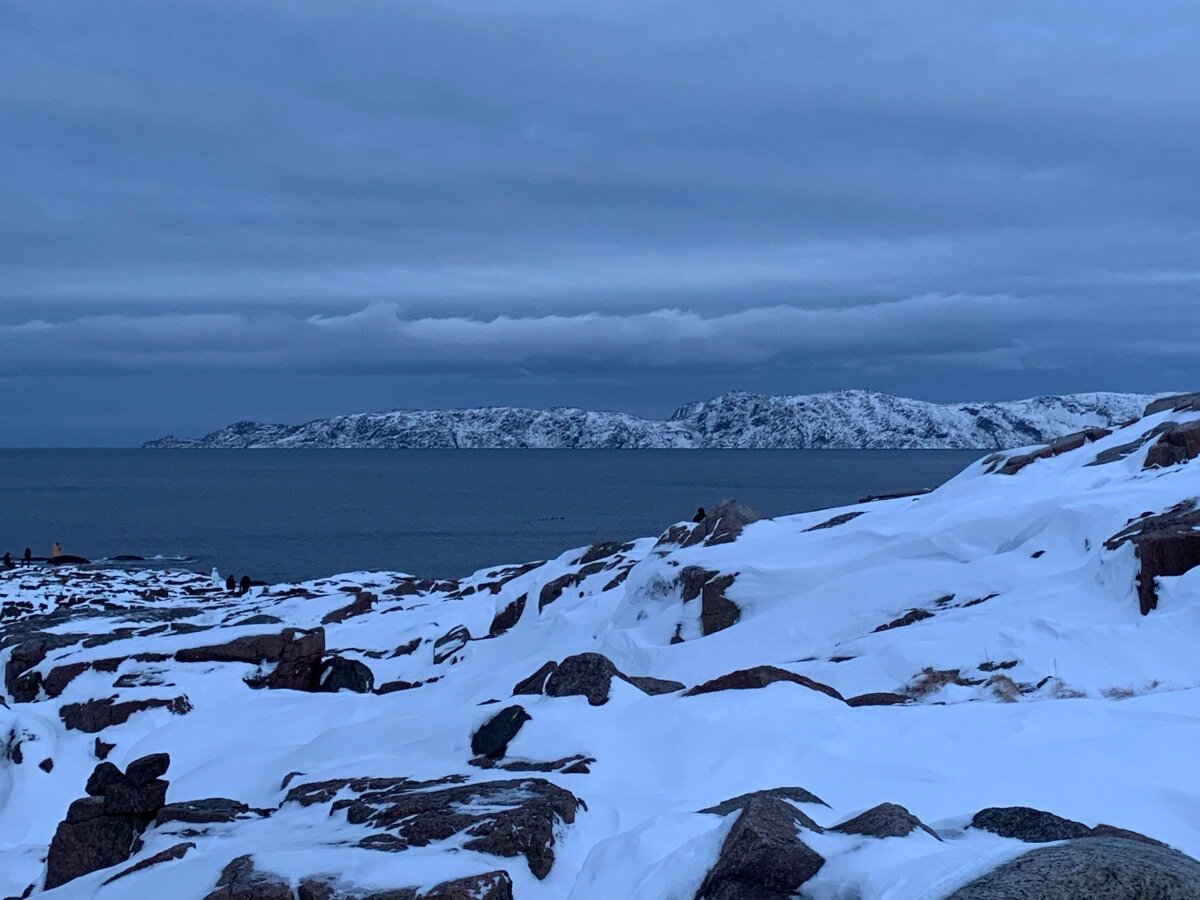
[[841, 419], [960, 653]]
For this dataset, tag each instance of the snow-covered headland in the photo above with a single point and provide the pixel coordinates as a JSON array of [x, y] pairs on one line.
[[737, 420], [988, 691]]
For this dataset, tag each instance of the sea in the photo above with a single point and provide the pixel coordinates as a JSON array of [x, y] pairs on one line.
[[290, 515]]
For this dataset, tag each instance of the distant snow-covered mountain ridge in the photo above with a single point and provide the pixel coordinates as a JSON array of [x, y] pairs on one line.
[[737, 420]]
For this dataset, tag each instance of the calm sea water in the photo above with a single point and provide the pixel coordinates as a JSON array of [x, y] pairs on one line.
[[296, 514]]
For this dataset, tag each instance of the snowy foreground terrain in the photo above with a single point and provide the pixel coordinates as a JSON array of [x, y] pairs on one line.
[[837, 420], [1010, 662]]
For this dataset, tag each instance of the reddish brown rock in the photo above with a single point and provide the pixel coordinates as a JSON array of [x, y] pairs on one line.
[[760, 677]]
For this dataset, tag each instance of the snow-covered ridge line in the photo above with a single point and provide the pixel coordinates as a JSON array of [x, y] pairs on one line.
[[737, 420]]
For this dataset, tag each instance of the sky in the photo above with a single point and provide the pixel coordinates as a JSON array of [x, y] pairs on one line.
[[234, 209]]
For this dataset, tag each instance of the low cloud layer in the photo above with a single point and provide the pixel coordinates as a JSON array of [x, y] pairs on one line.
[[327, 207]]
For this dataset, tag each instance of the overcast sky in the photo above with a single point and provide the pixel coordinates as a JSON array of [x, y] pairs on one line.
[[236, 209]]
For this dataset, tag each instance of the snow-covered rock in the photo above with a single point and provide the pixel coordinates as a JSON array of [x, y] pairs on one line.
[[840, 419], [1029, 695]]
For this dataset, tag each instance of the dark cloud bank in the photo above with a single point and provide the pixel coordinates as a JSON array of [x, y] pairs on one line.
[[214, 210]]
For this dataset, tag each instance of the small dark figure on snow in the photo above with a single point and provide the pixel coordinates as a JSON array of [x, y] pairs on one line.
[[229, 583], [244, 585], [699, 516], [28, 556], [8, 563]]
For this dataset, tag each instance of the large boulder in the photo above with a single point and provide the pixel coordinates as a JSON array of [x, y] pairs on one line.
[[1176, 444], [341, 674], [1037, 826], [584, 674], [1027, 824], [1165, 544], [493, 737], [1096, 868], [763, 857], [100, 829]]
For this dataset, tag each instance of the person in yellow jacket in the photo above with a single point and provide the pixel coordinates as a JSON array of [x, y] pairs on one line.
[[57, 549]]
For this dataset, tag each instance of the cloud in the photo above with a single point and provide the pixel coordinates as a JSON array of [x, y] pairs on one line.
[[996, 332]]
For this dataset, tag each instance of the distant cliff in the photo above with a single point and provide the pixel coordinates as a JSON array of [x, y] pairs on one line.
[[839, 419]]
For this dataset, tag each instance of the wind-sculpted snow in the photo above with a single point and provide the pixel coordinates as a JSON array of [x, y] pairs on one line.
[[894, 699], [842, 419]]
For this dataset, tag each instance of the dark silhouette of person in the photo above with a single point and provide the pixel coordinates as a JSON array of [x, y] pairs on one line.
[[8, 561], [28, 556], [229, 583], [699, 516], [244, 585]]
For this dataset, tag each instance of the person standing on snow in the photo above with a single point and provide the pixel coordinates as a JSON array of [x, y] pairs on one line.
[[57, 550], [28, 556]]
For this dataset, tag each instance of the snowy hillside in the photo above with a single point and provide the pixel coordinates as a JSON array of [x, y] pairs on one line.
[[842, 419], [988, 691]]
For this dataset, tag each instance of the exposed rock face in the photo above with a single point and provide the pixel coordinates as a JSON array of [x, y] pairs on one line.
[[100, 829], [877, 698], [885, 820], [240, 880], [450, 643], [1176, 444], [21, 684], [552, 590], [1166, 544], [341, 674], [493, 737], [92, 716], [295, 652], [1013, 464], [507, 617], [717, 612], [486, 886], [909, 618], [536, 682], [1176, 403], [506, 818], [654, 686], [762, 857], [603, 550], [363, 601], [1098, 868], [176, 852], [759, 677], [203, 812]]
